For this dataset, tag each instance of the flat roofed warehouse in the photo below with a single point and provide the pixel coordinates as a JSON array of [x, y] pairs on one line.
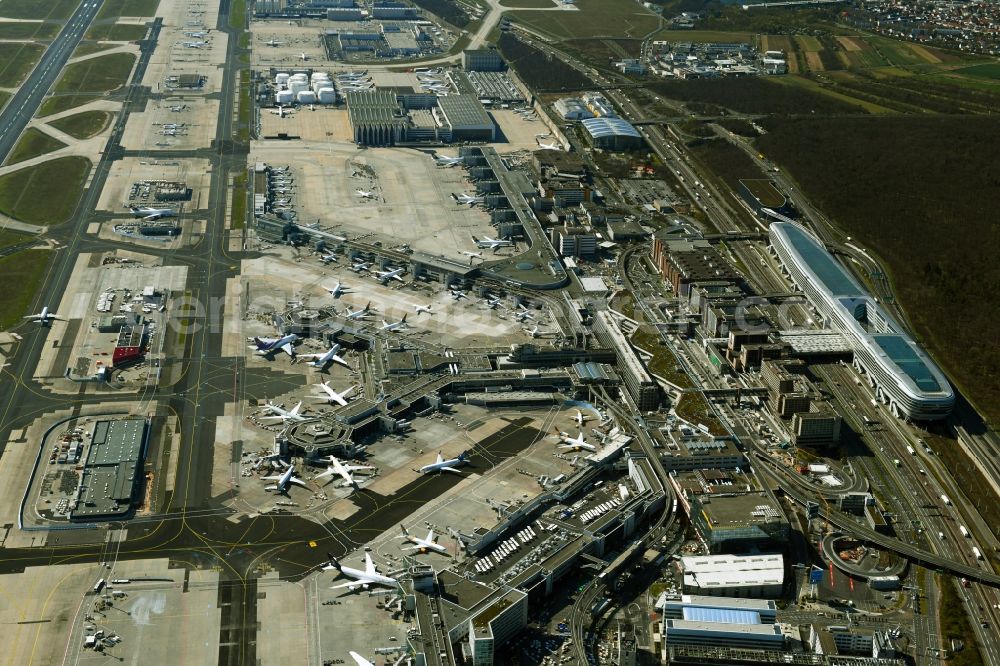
[[467, 118], [110, 473], [612, 133], [903, 376]]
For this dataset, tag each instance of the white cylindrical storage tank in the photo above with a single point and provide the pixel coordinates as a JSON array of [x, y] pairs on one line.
[[319, 75], [307, 97], [319, 85], [284, 97], [281, 78], [297, 86], [327, 96]]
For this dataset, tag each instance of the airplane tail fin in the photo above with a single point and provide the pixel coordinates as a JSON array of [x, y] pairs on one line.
[[333, 561], [403, 320], [368, 306], [463, 456], [405, 532]]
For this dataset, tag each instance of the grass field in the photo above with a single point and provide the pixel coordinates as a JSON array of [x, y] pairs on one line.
[[238, 14], [88, 48], [33, 143], [4, 96], [693, 408], [987, 71], [702, 36], [59, 103], [97, 75], [238, 214], [16, 61], [32, 9], [807, 43], [117, 32], [28, 30], [595, 18], [27, 269], [83, 125], [113, 8], [8, 238], [45, 194]]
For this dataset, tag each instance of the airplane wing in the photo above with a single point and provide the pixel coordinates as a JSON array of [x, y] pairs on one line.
[[439, 458], [298, 482], [430, 537], [324, 474], [352, 585], [359, 660], [451, 469], [369, 565], [270, 478], [338, 359], [288, 349]]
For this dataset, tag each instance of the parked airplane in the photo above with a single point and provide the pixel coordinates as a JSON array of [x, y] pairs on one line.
[[523, 316], [582, 418], [273, 42], [549, 146], [363, 579], [423, 545], [574, 443], [178, 109], [472, 255], [147, 213], [344, 471], [193, 45], [458, 295], [442, 465], [330, 356], [281, 112], [423, 308], [358, 314], [444, 161], [284, 481], [467, 199], [394, 325], [337, 290], [44, 318], [365, 195], [360, 267], [197, 35], [303, 56], [332, 396], [359, 660], [283, 414], [267, 346], [385, 276], [327, 258], [491, 302], [535, 332], [492, 243]]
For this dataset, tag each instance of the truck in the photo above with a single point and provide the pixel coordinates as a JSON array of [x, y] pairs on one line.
[[911, 450], [897, 462], [941, 536], [965, 532], [944, 498], [977, 553]]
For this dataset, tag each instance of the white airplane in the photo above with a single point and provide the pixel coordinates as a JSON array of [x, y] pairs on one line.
[[458, 295], [491, 243], [491, 302], [332, 396], [178, 109], [280, 112], [549, 146], [467, 199], [338, 289], [523, 316], [582, 418], [443, 161], [303, 56], [363, 579], [330, 356], [284, 481], [423, 308], [283, 414], [472, 255], [358, 314], [535, 332], [359, 660], [267, 346], [327, 258], [273, 42], [423, 545], [344, 471], [574, 443], [147, 213], [44, 318], [442, 465], [360, 267], [394, 325], [385, 276], [193, 45], [365, 195], [197, 35]]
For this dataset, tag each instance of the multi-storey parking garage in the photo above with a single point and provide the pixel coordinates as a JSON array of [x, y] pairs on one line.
[[897, 368]]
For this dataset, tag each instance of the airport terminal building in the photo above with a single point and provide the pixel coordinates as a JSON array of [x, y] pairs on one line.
[[901, 373]]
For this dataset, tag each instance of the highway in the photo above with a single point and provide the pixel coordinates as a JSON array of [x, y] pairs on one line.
[[25, 102]]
